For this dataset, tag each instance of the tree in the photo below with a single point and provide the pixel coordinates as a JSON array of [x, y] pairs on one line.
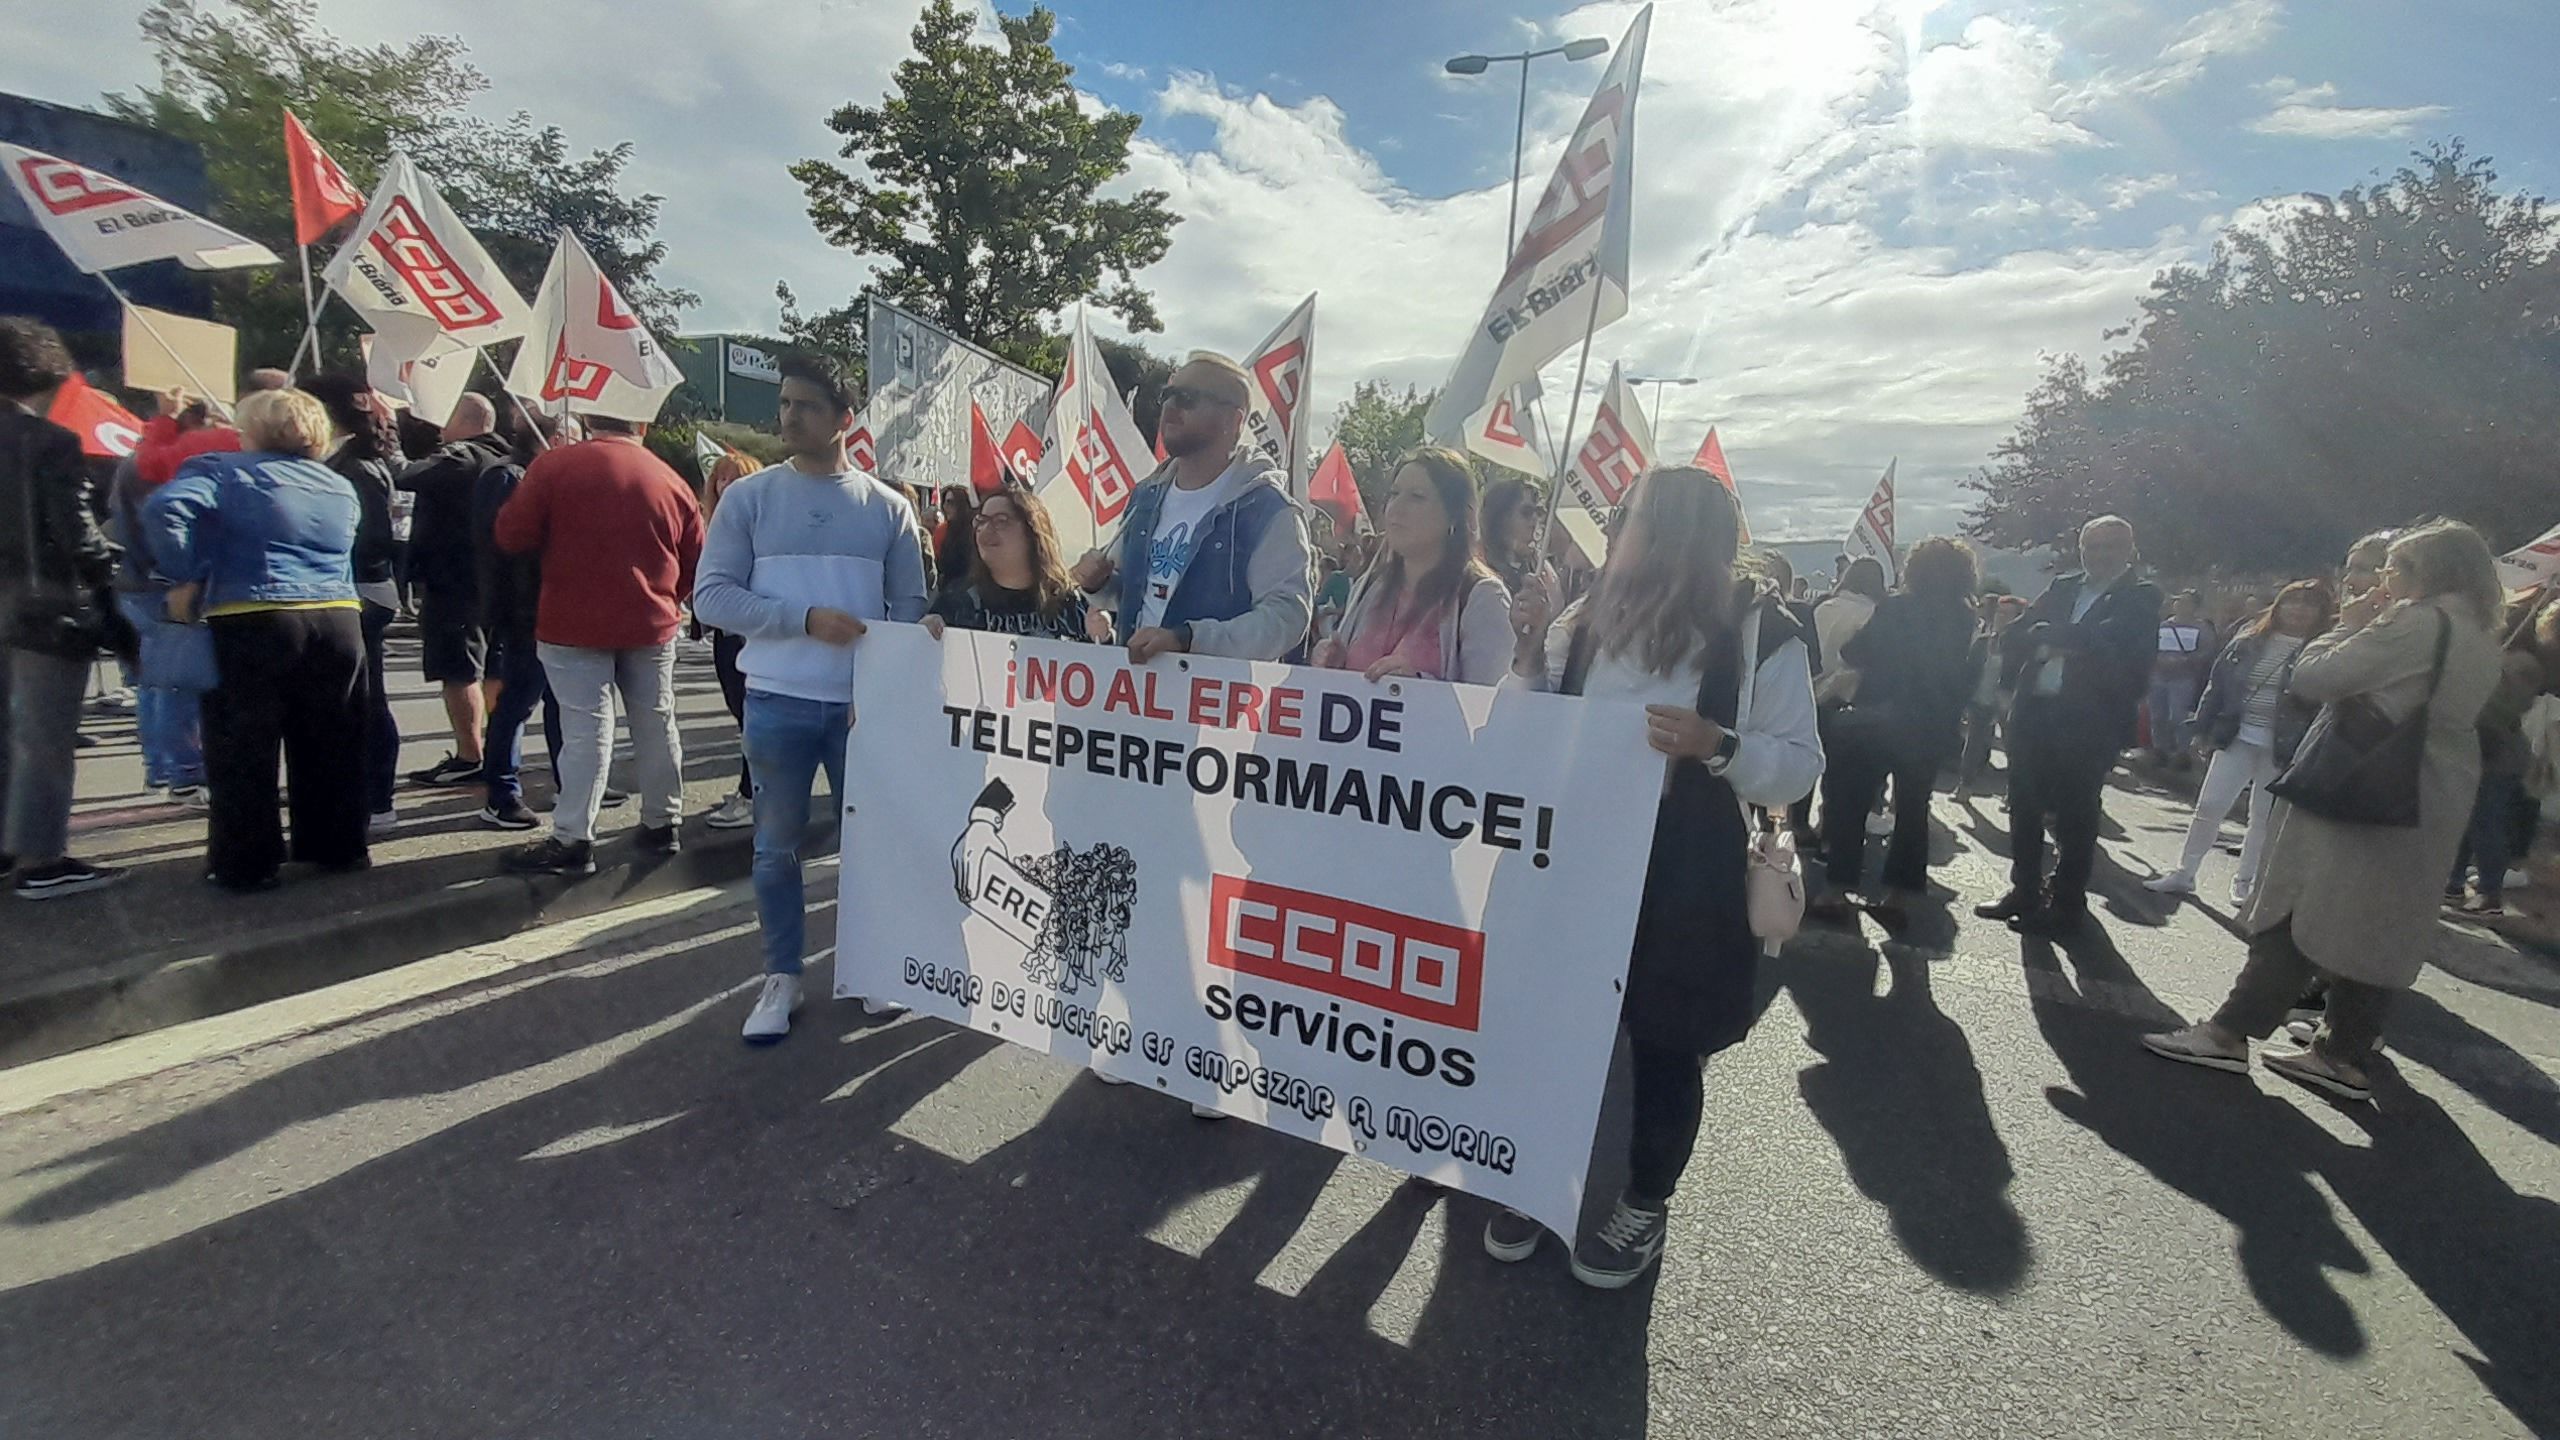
[[2358, 362], [842, 334], [1377, 428], [981, 187], [229, 69]]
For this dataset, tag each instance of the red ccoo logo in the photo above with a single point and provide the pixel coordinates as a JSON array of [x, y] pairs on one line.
[[67, 189], [1418, 968], [412, 250]]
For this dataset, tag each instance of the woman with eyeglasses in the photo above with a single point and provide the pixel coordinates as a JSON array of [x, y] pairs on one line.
[[1429, 607], [1016, 583]]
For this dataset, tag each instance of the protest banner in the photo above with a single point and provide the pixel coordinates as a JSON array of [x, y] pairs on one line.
[[1392, 918], [164, 351], [923, 380]]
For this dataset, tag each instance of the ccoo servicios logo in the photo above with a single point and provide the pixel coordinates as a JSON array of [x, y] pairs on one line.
[[1369, 959]]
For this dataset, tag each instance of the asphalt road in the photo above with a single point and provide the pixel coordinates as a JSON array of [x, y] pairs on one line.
[[1941, 1193]]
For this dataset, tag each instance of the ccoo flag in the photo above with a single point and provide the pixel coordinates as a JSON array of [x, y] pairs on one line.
[[106, 429], [587, 350], [1576, 240], [103, 224], [1089, 459], [2536, 562], [1873, 534], [323, 197], [414, 273], [1338, 492], [1507, 432], [1710, 458], [1614, 455], [1280, 367]]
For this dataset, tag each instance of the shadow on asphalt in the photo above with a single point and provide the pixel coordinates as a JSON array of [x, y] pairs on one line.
[[2486, 1256], [673, 1235]]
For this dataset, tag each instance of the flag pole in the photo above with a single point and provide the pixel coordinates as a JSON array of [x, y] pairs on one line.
[[1572, 417], [203, 391], [310, 317], [535, 430]]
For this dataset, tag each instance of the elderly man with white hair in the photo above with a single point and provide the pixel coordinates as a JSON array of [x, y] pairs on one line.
[[453, 649], [2080, 660]]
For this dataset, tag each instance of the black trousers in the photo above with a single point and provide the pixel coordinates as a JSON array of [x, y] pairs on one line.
[[2057, 778], [1670, 1095], [733, 693], [1853, 777], [293, 679]]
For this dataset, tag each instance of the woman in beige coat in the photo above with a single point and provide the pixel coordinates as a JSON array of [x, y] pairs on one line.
[[2355, 905]]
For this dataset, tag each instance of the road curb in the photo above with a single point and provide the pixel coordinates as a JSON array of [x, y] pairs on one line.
[[147, 992]]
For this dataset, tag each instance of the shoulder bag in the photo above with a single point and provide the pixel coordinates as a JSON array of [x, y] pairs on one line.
[[1773, 876], [2358, 766]]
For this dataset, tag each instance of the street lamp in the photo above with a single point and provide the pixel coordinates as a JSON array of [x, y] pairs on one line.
[[1657, 382], [1582, 49]]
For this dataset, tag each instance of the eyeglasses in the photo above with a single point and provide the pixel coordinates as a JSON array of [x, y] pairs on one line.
[[996, 519], [1185, 397]]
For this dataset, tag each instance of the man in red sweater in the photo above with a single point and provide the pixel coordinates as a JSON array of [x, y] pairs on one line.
[[618, 535]]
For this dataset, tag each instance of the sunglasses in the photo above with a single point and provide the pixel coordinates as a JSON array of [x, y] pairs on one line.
[[1185, 397]]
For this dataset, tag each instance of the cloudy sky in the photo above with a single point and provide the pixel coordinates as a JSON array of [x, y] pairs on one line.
[[1860, 225]]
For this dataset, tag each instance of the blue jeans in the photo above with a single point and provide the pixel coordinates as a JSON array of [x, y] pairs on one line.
[[2173, 702], [517, 667], [2485, 842], [165, 717], [788, 740]]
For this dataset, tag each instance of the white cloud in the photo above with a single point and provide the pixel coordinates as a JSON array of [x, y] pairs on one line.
[[1995, 91], [2310, 112], [2234, 29], [2126, 191], [1118, 71]]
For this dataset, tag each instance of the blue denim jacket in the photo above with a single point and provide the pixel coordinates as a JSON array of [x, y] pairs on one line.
[[255, 527]]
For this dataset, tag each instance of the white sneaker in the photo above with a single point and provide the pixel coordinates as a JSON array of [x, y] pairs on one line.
[[2176, 882], [882, 1007], [735, 813], [776, 1003], [383, 822], [2242, 891], [191, 797], [2518, 878], [2194, 1046]]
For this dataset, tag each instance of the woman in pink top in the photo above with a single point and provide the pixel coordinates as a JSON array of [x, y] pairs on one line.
[[1428, 606]]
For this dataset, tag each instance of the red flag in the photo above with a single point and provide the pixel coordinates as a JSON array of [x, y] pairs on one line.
[[986, 462], [1336, 490], [105, 428], [1710, 458], [323, 197], [865, 455], [1022, 451]]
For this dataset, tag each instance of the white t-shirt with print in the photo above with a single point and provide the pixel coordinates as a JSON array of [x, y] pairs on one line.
[[1178, 527]]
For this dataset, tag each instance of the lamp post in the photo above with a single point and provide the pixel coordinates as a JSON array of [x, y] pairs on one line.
[[1582, 49], [1657, 382]]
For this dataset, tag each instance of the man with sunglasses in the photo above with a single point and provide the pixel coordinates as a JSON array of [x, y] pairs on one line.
[[1212, 558]]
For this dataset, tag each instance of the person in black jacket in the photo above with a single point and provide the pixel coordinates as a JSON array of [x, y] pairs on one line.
[[453, 650], [365, 448], [1915, 674], [51, 550], [2080, 659], [509, 590]]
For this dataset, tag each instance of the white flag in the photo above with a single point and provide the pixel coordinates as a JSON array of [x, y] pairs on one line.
[[1613, 456], [104, 224], [1280, 367], [1507, 432], [2534, 563], [429, 381], [1090, 457], [586, 349], [414, 273], [1873, 534], [707, 452], [1577, 238]]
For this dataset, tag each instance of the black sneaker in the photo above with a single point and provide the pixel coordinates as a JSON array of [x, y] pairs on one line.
[[554, 856], [64, 877], [451, 770], [1624, 1247], [613, 799], [2009, 906], [660, 840], [513, 817], [1512, 1237]]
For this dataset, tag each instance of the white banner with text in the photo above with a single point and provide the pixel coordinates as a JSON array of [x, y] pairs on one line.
[[1390, 918]]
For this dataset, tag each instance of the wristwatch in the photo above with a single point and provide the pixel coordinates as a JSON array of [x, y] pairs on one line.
[[1726, 749]]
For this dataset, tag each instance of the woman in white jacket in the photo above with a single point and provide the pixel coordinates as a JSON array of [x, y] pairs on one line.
[[1428, 605], [1672, 627]]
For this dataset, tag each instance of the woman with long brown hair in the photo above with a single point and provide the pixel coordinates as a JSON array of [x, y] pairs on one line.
[[1017, 582], [1429, 606], [1672, 626], [2251, 723]]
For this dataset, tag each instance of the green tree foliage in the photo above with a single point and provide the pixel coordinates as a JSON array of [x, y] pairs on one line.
[[2359, 361], [979, 184], [230, 68], [842, 334], [1377, 427]]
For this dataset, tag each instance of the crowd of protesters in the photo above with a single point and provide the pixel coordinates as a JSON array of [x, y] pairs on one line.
[[555, 566]]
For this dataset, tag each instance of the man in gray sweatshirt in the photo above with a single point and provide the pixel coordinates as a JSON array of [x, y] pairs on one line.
[[800, 557], [1212, 558]]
